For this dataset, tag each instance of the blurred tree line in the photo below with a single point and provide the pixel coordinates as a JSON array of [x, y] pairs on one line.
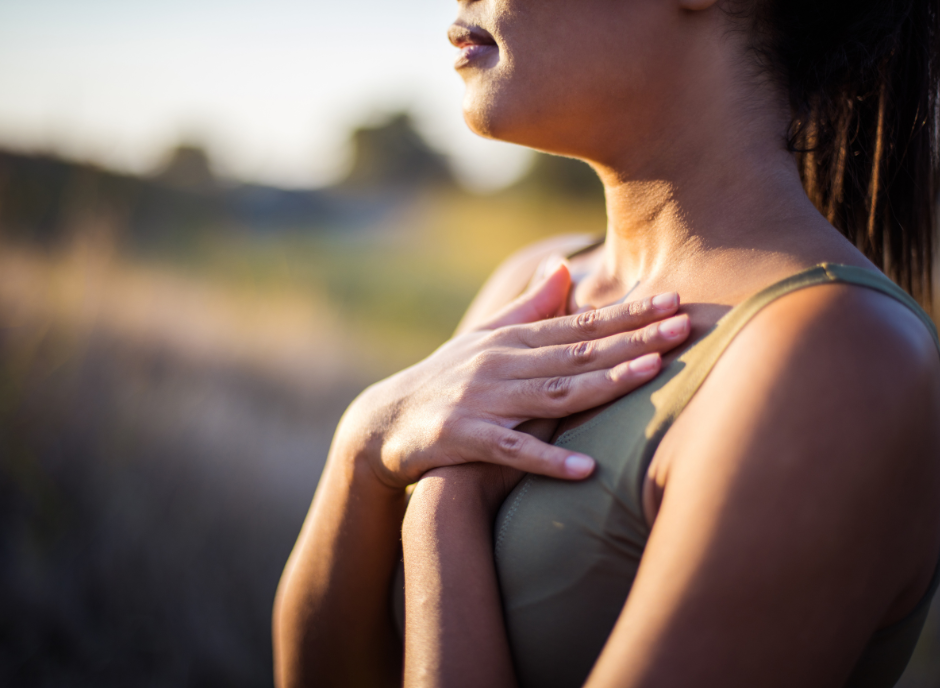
[[44, 198], [175, 352]]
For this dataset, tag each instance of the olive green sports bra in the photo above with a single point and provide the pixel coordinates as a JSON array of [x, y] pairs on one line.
[[567, 553]]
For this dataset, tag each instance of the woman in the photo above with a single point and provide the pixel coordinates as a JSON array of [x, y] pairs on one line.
[[758, 505]]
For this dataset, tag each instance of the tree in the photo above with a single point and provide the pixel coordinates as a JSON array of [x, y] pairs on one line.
[[393, 155]]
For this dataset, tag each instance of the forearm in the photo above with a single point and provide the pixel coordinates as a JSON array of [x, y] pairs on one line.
[[332, 625], [460, 640], [462, 404]]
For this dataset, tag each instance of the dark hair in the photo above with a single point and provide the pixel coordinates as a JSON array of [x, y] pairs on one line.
[[863, 83]]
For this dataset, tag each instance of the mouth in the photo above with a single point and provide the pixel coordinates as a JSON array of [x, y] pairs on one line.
[[473, 42]]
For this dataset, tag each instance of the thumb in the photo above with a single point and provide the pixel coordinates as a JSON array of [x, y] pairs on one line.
[[545, 300]]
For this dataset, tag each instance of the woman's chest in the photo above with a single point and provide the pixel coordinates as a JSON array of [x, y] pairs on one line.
[[567, 553]]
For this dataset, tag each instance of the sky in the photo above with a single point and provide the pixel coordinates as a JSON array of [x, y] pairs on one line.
[[271, 88]]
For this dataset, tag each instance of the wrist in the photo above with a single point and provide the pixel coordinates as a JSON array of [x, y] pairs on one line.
[[362, 435], [352, 461], [452, 499]]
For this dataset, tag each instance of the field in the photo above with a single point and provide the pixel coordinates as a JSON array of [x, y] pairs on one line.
[[164, 418]]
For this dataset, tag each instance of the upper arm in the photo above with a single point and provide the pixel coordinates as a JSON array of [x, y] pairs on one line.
[[797, 486], [512, 277]]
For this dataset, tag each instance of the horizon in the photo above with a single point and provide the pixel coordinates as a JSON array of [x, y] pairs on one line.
[[265, 115]]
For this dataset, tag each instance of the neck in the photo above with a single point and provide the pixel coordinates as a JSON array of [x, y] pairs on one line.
[[700, 197], [659, 222]]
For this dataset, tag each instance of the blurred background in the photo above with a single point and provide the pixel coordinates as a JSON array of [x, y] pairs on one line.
[[218, 223]]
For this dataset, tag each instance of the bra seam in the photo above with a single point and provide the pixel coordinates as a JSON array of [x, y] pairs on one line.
[[527, 481]]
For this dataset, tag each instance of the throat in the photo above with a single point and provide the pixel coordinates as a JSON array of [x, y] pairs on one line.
[[593, 288]]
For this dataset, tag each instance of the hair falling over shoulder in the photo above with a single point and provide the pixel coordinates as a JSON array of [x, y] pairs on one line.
[[863, 78]]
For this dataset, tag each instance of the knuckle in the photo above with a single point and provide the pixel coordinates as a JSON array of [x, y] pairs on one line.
[[511, 445], [512, 336], [636, 308], [460, 392], [643, 337], [557, 388], [501, 335], [581, 353], [444, 428], [587, 323], [485, 361]]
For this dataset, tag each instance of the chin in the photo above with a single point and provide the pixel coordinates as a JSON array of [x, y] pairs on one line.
[[480, 119], [496, 111], [488, 104], [514, 118]]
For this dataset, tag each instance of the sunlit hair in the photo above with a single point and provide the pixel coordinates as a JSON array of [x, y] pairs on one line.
[[863, 82]]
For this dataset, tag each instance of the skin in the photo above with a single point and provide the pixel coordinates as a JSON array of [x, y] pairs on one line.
[[792, 503], [332, 623]]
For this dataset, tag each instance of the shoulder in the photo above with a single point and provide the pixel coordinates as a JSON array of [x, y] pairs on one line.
[[833, 366], [825, 407], [866, 348], [797, 495], [829, 344], [514, 274]]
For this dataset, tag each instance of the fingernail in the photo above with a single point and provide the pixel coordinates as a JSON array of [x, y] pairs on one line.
[[579, 466], [666, 302], [645, 364], [674, 327]]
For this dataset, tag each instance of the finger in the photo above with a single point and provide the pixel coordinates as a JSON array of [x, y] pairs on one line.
[[598, 354], [544, 300], [495, 444], [547, 266], [553, 263], [602, 322], [563, 395]]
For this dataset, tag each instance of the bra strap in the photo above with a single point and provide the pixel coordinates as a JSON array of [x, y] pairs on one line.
[[699, 360]]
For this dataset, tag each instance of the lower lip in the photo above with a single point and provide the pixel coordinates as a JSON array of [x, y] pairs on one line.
[[473, 53]]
